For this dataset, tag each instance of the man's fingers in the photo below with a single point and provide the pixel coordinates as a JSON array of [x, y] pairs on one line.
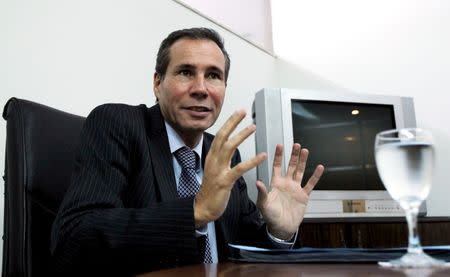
[[314, 179], [223, 134], [262, 194], [277, 161], [236, 140], [245, 166], [300, 170], [293, 161]]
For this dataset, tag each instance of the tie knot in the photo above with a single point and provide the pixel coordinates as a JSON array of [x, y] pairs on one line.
[[186, 157]]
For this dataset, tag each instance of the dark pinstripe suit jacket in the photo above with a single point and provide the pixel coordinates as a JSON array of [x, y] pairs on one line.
[[122, 213]]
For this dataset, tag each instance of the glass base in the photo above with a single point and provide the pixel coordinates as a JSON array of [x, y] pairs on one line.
[[414, 260]]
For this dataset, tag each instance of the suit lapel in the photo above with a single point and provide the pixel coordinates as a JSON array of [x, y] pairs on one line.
[[160, 154], [207, 140]]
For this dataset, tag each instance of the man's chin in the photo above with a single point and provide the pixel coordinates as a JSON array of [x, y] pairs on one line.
[[197, 126]]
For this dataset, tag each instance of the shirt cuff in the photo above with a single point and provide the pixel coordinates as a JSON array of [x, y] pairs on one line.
[[281, 243], [202, 231]]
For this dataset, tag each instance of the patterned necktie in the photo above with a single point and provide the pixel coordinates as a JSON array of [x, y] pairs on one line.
[[188, 185]]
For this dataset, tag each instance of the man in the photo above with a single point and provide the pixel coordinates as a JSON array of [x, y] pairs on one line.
[[130, 207]]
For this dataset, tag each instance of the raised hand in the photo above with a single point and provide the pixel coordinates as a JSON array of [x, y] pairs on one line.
[[283, 208], [218, 176]]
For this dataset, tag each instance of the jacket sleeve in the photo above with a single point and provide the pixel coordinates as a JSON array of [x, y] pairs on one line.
[[95, 228]]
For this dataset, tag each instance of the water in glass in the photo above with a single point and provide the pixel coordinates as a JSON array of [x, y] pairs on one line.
[[405, 162], [407, 169]]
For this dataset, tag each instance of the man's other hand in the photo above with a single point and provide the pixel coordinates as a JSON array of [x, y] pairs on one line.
[[283, 208]]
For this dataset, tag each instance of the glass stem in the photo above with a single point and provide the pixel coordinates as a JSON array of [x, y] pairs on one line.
[[414, 246]]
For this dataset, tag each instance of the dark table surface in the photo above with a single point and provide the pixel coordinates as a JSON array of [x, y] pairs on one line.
[[230, 269]]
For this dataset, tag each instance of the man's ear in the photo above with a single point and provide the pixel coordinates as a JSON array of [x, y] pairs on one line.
[[156, 84]]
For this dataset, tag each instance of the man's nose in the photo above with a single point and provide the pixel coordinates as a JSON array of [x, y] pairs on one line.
[[199, 87]]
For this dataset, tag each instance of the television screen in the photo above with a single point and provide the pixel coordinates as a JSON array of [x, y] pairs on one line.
[[341, 136]]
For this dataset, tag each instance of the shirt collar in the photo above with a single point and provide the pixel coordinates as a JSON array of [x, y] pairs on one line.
[[176, 142]]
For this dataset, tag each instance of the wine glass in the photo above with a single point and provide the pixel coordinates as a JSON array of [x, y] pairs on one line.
[[405, 162]]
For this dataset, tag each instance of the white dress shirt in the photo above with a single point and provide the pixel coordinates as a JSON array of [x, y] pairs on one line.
[[175, 143]]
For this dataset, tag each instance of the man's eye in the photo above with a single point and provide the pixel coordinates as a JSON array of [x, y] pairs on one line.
[[185, 72], [213, 75]]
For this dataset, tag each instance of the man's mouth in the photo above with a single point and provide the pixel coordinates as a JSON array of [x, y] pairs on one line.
[[199, 109]]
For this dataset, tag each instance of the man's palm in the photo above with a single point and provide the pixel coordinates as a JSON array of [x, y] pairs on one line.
[[283, 208]]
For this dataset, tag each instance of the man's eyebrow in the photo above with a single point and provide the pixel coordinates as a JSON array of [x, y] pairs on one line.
[[184, 66], [216, 69], [213, 68]]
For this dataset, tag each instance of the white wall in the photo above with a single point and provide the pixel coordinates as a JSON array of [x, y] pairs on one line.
[[75, 55], [396, 47], [252, 20]]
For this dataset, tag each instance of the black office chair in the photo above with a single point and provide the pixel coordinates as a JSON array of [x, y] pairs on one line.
[[40, 145]]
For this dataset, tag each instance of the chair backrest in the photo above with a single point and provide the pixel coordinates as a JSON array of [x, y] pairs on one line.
[[40, 145]]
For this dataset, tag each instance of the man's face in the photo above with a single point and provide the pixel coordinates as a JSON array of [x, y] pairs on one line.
[[192, 91]]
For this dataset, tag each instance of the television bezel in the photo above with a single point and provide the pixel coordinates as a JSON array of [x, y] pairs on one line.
[[274, 99]]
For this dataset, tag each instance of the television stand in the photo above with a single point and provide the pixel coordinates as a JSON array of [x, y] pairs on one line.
[[371, 232]]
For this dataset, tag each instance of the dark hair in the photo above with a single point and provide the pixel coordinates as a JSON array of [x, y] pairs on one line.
[[163, 57]]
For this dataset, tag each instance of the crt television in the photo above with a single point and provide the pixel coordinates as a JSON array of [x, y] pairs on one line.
[[338, 128]]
